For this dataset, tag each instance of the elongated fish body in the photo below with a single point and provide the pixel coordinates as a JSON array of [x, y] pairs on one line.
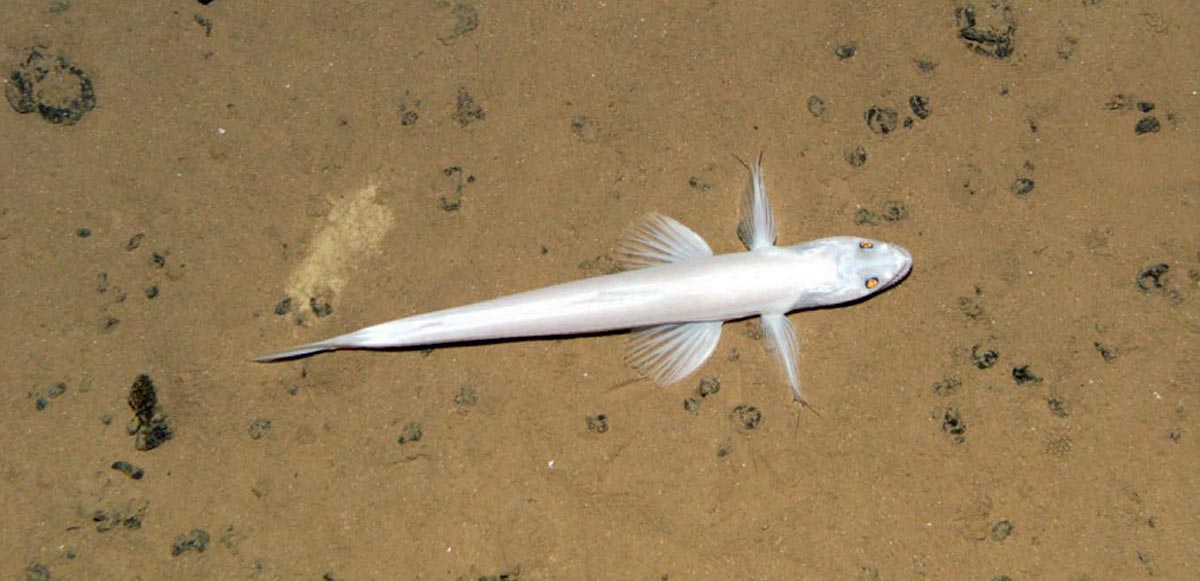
[[675, 295]]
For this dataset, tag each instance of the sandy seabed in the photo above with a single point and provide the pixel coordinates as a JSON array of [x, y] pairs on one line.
[[185, 185]]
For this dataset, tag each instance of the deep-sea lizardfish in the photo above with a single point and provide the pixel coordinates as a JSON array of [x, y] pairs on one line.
[[674, 294]]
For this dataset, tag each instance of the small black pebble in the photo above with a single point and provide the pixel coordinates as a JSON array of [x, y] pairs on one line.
[[953, 424], [926, 65], [37, 572], [881, 120], [585, 128], [258, 428], [1147, 124], [598, 423], [143, 397], [894, 211], [149, 437], [1001, 530], [691, 404], [149, 426], [982, 357], [865, 217], [320, 307], [857, 156], [846, 50], [946, 386], [987, 40], [1145, 106], [709, 386], [1023, 375], [971, 308], [152, 291], [1021, 186], [40, 403], [128, 469], [724, 449], [134, 241], [1105, 352], [56, 390], [746, 418], [1057, 406], [1150, 278], [83, 233], [1119, 102], [411, 433], [193, 540], [284, 306], [816, 106], [920, 106], [467, 396], [466, 111]]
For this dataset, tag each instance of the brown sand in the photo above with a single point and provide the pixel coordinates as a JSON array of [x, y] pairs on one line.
[[309, 150]]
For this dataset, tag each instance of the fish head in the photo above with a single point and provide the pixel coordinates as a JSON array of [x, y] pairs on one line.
[[864, 266]]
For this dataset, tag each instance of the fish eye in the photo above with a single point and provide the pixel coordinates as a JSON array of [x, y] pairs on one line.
[[872, 282], [864, 244]]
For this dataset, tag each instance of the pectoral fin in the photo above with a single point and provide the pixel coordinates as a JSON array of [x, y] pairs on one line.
[[659, 239], [757, 228], [781, 340], [669, 353]]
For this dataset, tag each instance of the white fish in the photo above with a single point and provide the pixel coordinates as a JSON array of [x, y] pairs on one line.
[[674, 294]]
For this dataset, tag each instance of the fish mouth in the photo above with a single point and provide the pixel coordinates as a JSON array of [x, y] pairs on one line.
[[903, 272]]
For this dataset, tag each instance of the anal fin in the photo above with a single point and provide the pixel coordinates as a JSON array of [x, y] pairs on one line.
[[669, 353]]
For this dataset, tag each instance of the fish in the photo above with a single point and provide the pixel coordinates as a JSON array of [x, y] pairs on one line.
[[673, 295]]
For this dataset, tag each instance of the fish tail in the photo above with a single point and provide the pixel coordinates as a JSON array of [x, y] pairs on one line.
[[297, 352]]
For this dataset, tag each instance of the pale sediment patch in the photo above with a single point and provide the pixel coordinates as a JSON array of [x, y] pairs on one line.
[[352, 232]]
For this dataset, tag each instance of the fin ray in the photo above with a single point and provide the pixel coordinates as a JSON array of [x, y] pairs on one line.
[[671, 352], [781, 341], [757, 228], [658, 239]]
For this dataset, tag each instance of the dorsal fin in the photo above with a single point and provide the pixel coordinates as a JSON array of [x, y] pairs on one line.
[[658, 239]]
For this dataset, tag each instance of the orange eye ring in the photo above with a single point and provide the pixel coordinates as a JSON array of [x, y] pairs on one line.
[[872, 282], [865, 244]]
